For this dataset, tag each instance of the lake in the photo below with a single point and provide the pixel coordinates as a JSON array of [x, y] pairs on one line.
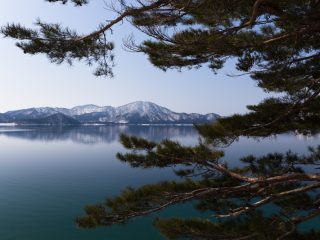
[[48, 175]]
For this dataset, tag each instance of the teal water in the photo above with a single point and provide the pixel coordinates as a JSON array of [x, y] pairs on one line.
[[47, 176]]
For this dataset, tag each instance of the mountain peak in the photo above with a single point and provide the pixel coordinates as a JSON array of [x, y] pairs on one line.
[[86, 105], [142, 108], [140, 103], [84, 109]]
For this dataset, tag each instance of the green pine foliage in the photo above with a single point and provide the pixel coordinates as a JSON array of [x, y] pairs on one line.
[[238, 195], [277, 44], [250, 227]]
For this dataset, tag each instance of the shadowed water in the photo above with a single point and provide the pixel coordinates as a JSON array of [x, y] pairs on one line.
[[48, 175]]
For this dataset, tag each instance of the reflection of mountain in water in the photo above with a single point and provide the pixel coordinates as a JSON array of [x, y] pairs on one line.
[[97, 134]]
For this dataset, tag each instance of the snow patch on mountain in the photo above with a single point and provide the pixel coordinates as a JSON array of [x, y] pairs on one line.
[[90, 108]]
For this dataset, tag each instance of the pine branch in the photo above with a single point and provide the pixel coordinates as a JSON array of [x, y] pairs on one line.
[[127, 13]]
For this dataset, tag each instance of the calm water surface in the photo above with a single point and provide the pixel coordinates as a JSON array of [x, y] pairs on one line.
[[47, 176]]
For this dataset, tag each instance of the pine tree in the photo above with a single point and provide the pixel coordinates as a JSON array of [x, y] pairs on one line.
[[276, 43]]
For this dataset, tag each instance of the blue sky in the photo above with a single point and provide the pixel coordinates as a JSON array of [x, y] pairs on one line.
[[27, 81]]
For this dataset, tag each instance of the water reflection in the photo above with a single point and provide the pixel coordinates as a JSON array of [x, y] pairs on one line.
[[49, 175], [96, 134]]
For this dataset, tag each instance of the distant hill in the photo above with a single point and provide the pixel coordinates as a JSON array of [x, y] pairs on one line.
[[56, 119], [3, 118], [132, 113]]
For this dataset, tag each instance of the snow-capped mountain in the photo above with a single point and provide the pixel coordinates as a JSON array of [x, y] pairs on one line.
[[148, 112], [90, 108], [133, 113]]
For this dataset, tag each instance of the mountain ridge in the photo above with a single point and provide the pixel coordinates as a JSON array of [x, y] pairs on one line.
[[139, 112]]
